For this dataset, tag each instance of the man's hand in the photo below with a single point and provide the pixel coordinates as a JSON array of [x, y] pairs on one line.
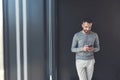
[[86, 48], [90, 49]]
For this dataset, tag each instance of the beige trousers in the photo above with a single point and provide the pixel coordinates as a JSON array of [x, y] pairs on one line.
[[85, 69]]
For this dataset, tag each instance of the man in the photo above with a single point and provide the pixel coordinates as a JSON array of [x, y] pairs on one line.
[[84, 44]]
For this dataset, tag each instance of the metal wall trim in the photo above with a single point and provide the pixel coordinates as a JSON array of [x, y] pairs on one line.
[[25, 40], [18, 39]]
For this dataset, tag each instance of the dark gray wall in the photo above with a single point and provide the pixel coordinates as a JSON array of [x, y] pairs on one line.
[[106, 17]]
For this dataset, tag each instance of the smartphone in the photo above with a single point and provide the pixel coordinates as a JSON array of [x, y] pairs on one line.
[[90, 45]]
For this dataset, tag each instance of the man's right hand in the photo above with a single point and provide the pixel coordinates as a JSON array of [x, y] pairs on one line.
[[85, 48]]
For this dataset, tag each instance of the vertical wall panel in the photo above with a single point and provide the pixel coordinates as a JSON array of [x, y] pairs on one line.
[[36, 40], [12, 40]]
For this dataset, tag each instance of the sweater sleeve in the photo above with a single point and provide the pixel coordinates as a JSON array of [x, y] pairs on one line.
[[74, 44], [96, 45]]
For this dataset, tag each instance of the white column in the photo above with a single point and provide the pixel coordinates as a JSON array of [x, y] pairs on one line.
[[1, 42]]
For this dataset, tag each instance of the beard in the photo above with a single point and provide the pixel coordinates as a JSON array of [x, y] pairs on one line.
[[86, 31]]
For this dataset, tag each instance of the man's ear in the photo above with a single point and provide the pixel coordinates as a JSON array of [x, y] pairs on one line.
[[91, 24], [82, 25]]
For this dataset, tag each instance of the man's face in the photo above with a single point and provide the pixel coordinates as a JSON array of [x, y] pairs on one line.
[[86, 27]]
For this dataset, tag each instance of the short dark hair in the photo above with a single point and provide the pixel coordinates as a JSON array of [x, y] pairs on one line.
[[89, 20]]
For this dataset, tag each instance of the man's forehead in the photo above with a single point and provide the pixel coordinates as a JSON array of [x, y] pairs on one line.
[[86, 23]]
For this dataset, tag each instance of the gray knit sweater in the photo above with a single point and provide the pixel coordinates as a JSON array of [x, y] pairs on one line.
[[80, 39]]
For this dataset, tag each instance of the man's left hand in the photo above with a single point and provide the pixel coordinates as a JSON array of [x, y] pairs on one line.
[[91, 49]]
